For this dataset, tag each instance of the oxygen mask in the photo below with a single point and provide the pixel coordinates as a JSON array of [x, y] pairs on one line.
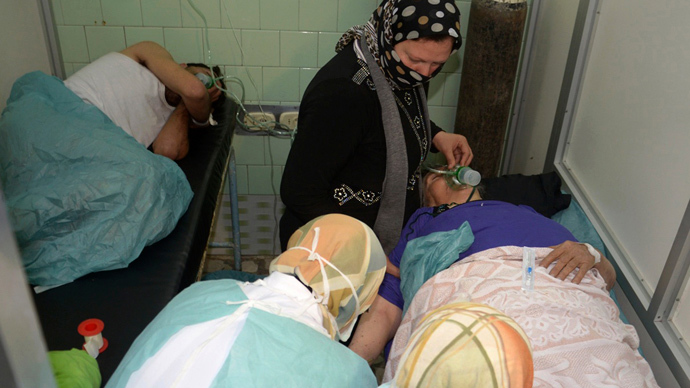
[[207, 80], [457, 177]]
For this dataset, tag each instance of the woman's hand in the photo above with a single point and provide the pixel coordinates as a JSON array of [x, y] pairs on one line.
[[571, 255], [454, 147]]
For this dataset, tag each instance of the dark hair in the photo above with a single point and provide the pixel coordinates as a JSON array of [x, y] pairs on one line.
[[216, 74]]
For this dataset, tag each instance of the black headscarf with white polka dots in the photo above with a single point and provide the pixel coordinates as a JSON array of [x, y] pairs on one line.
[[395, 21]]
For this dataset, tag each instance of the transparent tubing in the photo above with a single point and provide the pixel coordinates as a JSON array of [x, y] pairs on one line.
[[227, 79]]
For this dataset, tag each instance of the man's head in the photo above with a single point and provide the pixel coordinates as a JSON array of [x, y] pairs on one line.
[[438, 191], [217, 94]]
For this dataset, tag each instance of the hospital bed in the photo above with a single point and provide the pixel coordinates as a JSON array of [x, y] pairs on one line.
[[127, 299]]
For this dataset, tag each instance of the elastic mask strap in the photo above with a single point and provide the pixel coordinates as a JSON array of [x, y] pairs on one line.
[[471, 194], [313, 255]]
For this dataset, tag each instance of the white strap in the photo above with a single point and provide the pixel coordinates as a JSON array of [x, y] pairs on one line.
[[313, 255], [593, 252]]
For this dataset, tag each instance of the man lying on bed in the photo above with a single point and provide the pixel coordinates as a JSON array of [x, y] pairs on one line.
[[493, 224], [145, 92], [460, 221]]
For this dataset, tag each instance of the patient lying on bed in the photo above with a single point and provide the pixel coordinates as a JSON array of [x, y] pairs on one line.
[[571, 321], [278, 331], [151, 97]]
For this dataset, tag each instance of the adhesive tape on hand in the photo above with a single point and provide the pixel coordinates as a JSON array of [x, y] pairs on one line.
[[593, 252]]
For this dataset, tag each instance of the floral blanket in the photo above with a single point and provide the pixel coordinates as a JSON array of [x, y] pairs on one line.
[[577, 337]]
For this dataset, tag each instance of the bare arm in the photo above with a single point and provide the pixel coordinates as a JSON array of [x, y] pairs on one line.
[[571, 255], [376, 327], [173, 141], [159, 61]]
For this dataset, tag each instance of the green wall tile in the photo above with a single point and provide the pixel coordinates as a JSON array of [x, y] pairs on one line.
[[210, 9], [451, 90], [277, 150], [78, 66], [264, 180], [298, 49], [327, 42], [318, 15], [163, 13], [464, 7], [454, 63], [224, 47], [240, 14], [443, 116], [102, 40], [279, 15], [184, 44], [242, 183], [82, 12], [73, 43], [435, 96], [252, 79], [56, 6], [249, 150], [69, 69], [139, 34], [305, 77], [122, 12], [261, 48], [354, 12], [281, 84]]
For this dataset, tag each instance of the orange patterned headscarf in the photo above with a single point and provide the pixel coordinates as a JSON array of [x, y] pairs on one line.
[[466, 345], [342, 261]]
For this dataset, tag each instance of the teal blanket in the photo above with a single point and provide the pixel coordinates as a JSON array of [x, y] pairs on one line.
[[82, 194]]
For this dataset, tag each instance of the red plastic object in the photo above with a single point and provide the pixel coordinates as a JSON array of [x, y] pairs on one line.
[[90, 328]]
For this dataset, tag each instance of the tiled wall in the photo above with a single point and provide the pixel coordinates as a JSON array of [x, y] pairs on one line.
[[274, 46]]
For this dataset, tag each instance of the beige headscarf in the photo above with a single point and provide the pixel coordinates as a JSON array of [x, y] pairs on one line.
[[466, 345], [334, 255]]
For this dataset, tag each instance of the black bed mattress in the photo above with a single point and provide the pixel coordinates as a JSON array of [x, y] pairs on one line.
[[126, 300]]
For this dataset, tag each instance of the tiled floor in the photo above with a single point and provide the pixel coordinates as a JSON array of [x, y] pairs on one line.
[[251, 264]]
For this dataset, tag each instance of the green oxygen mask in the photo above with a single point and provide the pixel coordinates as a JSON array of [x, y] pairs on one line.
[[458, 176], [206, 79]]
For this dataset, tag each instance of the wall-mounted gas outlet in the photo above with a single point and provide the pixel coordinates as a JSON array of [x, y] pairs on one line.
[[256, 121], [289, 119]]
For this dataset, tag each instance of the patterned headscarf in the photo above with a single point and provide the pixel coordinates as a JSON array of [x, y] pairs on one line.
[[395, 21], [466, 345], [334, 254]]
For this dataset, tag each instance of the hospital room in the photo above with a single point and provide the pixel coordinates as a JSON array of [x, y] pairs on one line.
[[199, 193]]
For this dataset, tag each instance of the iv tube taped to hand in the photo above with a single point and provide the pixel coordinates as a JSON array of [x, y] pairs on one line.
[[94, 343]]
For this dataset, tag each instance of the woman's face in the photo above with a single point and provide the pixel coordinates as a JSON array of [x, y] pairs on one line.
[[423, 55], [437, 192]]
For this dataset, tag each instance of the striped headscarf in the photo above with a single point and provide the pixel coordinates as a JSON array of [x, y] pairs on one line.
[[466, 345], [395, 21], [334, 255]]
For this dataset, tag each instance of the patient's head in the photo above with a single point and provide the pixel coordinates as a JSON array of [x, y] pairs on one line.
[[466, 345], [217, 95], [347, 251], [437, 191]]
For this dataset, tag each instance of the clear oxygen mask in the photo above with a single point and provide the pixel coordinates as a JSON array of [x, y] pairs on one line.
[[458, 176]]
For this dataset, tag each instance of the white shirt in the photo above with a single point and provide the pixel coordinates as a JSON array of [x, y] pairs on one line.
[[127, 92]]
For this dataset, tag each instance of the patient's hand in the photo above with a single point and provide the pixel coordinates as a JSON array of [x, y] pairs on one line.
[[569, 256]]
